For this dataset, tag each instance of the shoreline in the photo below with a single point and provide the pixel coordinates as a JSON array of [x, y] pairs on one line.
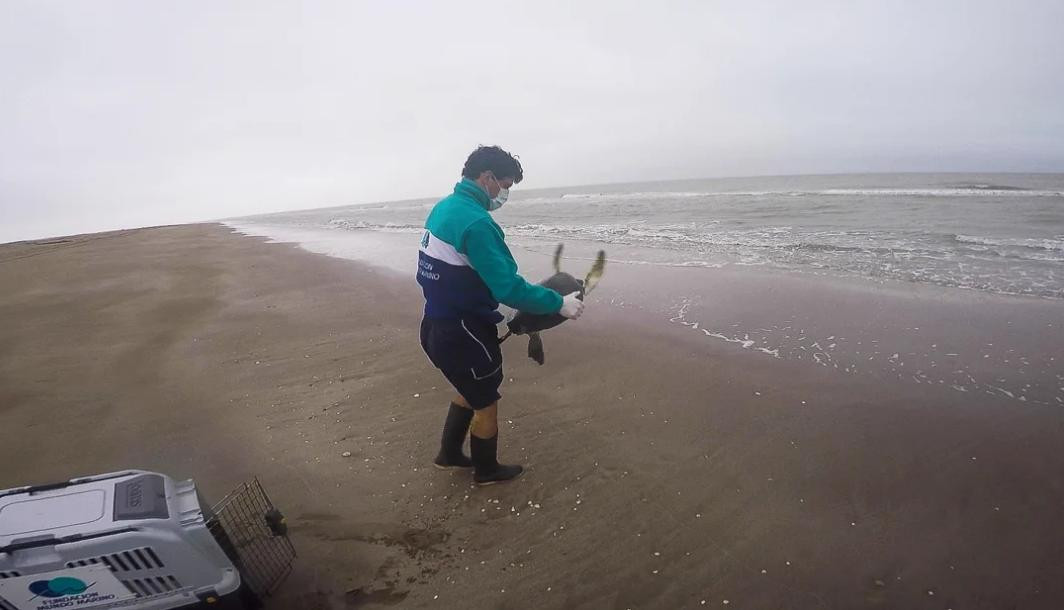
[[663, 468], [695, 301]]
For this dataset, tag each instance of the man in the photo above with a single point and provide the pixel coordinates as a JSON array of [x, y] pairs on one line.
[[465, 270]]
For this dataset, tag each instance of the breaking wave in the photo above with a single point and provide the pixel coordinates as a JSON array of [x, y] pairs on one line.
[[975, 190], [1055, 244], [388, 227]]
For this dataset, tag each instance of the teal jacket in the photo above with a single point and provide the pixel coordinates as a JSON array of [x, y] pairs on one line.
[[465, 267]]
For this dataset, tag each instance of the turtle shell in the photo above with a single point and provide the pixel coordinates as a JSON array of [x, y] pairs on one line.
[[524, 322]]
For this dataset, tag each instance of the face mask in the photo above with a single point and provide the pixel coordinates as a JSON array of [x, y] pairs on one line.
[[500, 199]]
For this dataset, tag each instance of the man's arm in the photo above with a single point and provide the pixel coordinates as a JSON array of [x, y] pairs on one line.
[[488, 254]]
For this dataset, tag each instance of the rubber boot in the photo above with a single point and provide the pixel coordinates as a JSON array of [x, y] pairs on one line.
[[487, 469], [455, 428]]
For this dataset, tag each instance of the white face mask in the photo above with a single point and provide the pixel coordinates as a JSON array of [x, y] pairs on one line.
[[500, 199]]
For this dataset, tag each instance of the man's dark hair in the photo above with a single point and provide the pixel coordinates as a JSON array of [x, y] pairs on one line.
[[495, 160]]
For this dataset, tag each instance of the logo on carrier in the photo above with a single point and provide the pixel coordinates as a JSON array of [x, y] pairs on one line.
[[92, 586], [425, 240], [59, 587]]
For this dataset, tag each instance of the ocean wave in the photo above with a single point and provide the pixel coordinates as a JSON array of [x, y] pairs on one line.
[[1053, 244], [638, 195], [973, 190], [991, 187], [960, 191], [361, 225], [1015, 266], [773, 241]]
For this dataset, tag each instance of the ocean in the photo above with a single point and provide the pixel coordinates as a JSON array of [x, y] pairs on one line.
[[994, 233]]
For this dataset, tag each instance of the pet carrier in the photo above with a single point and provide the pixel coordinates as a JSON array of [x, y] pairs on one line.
[[141, 540]]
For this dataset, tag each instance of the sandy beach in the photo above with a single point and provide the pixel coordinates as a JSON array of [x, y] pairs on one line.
[[664, 470]]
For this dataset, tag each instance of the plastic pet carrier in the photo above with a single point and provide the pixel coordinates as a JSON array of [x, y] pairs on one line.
[[138, 539]]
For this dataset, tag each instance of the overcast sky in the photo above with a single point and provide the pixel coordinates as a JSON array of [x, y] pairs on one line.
[[129, 113]]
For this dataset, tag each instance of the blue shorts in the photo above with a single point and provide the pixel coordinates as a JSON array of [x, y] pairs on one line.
[[467, 351]]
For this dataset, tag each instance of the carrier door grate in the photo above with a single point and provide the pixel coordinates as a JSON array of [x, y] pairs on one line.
[[252, 532]]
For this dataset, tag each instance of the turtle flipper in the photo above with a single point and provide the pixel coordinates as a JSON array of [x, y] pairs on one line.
[[535, 347], [595, 274]]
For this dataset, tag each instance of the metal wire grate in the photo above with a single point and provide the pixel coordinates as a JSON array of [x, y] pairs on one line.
[[252, 532]]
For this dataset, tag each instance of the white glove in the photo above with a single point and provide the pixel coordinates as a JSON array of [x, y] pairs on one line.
[[572, 306]]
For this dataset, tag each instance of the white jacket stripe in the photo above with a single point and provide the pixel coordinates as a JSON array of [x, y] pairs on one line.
[[443, 251]]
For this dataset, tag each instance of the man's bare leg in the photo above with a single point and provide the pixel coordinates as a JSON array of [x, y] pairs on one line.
[[484, 448], [486, 422]]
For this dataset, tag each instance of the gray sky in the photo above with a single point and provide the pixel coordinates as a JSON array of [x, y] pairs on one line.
[[128, 113]]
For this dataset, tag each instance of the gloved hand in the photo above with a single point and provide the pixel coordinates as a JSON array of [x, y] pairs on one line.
[[572, 306]]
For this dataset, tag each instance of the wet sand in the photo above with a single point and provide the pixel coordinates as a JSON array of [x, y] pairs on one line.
[[664, 467]]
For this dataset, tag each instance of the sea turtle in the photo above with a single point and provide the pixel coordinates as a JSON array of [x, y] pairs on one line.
[[531, 324]]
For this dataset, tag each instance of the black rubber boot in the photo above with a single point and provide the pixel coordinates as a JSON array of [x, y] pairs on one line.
[[488, 470], [454, 432]]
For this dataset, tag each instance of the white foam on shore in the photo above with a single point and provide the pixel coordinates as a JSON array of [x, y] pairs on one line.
[[744, 342]]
